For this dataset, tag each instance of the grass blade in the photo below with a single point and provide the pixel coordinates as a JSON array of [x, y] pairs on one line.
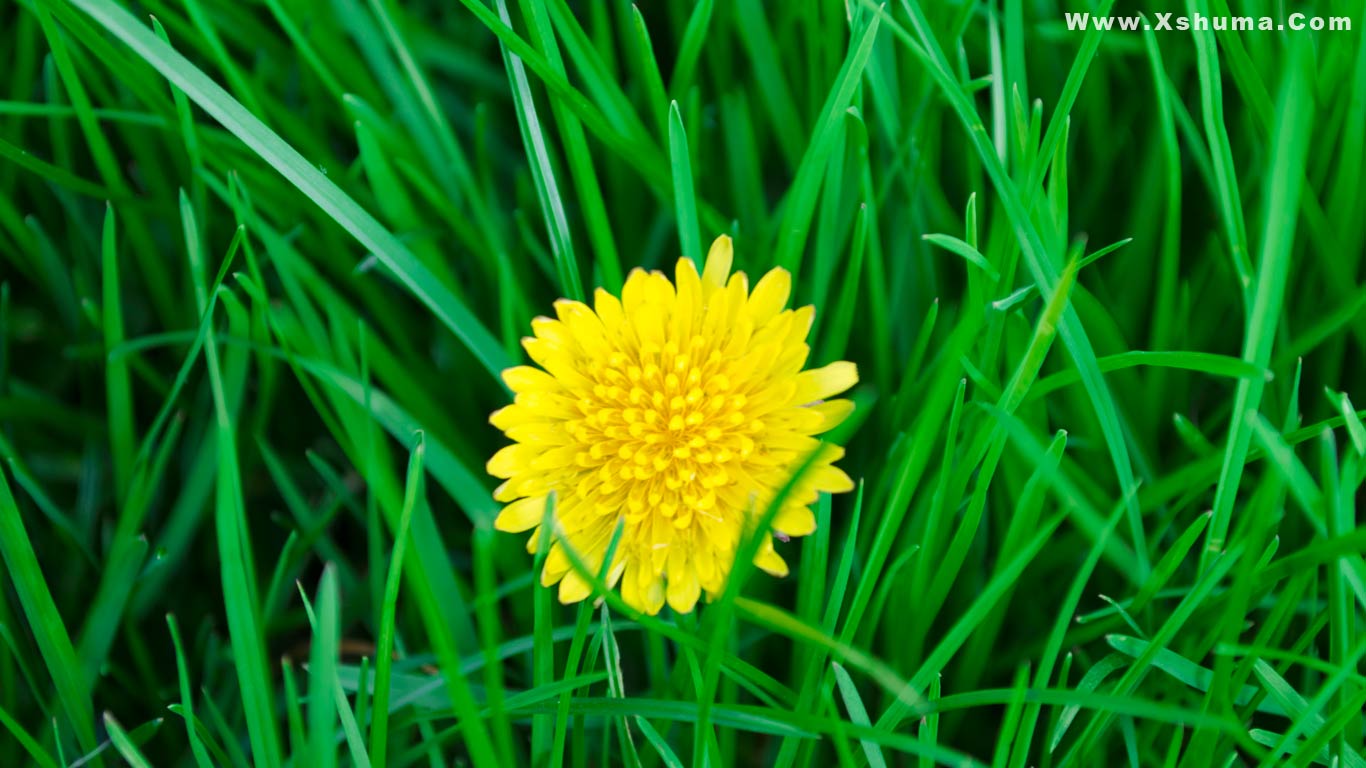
[[309, 180], [44, 621]]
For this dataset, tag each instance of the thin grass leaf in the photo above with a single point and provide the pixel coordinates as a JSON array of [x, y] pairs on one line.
[[307, 178], [44, 621], [954, 245], [685, 200], [379, 726], [1284, 188], [857, 713]]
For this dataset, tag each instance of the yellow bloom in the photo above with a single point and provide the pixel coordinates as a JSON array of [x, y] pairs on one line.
[[682, 408]]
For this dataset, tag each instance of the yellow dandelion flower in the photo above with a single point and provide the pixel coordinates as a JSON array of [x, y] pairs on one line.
[[681, 408]]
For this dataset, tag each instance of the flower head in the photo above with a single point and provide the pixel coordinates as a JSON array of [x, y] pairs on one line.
[[682, 409]]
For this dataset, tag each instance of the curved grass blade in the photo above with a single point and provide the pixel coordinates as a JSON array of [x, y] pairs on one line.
[[379, 726], [44, 620], [308, 179]]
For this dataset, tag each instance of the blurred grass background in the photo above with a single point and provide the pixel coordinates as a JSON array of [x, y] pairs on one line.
[[260, 263]]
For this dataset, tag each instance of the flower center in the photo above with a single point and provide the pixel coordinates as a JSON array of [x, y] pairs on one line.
[[662, 430]]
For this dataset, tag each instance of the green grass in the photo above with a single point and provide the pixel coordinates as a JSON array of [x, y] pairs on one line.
[[261, 264]]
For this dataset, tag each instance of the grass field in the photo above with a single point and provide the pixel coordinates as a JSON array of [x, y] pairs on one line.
[[261, 264]]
